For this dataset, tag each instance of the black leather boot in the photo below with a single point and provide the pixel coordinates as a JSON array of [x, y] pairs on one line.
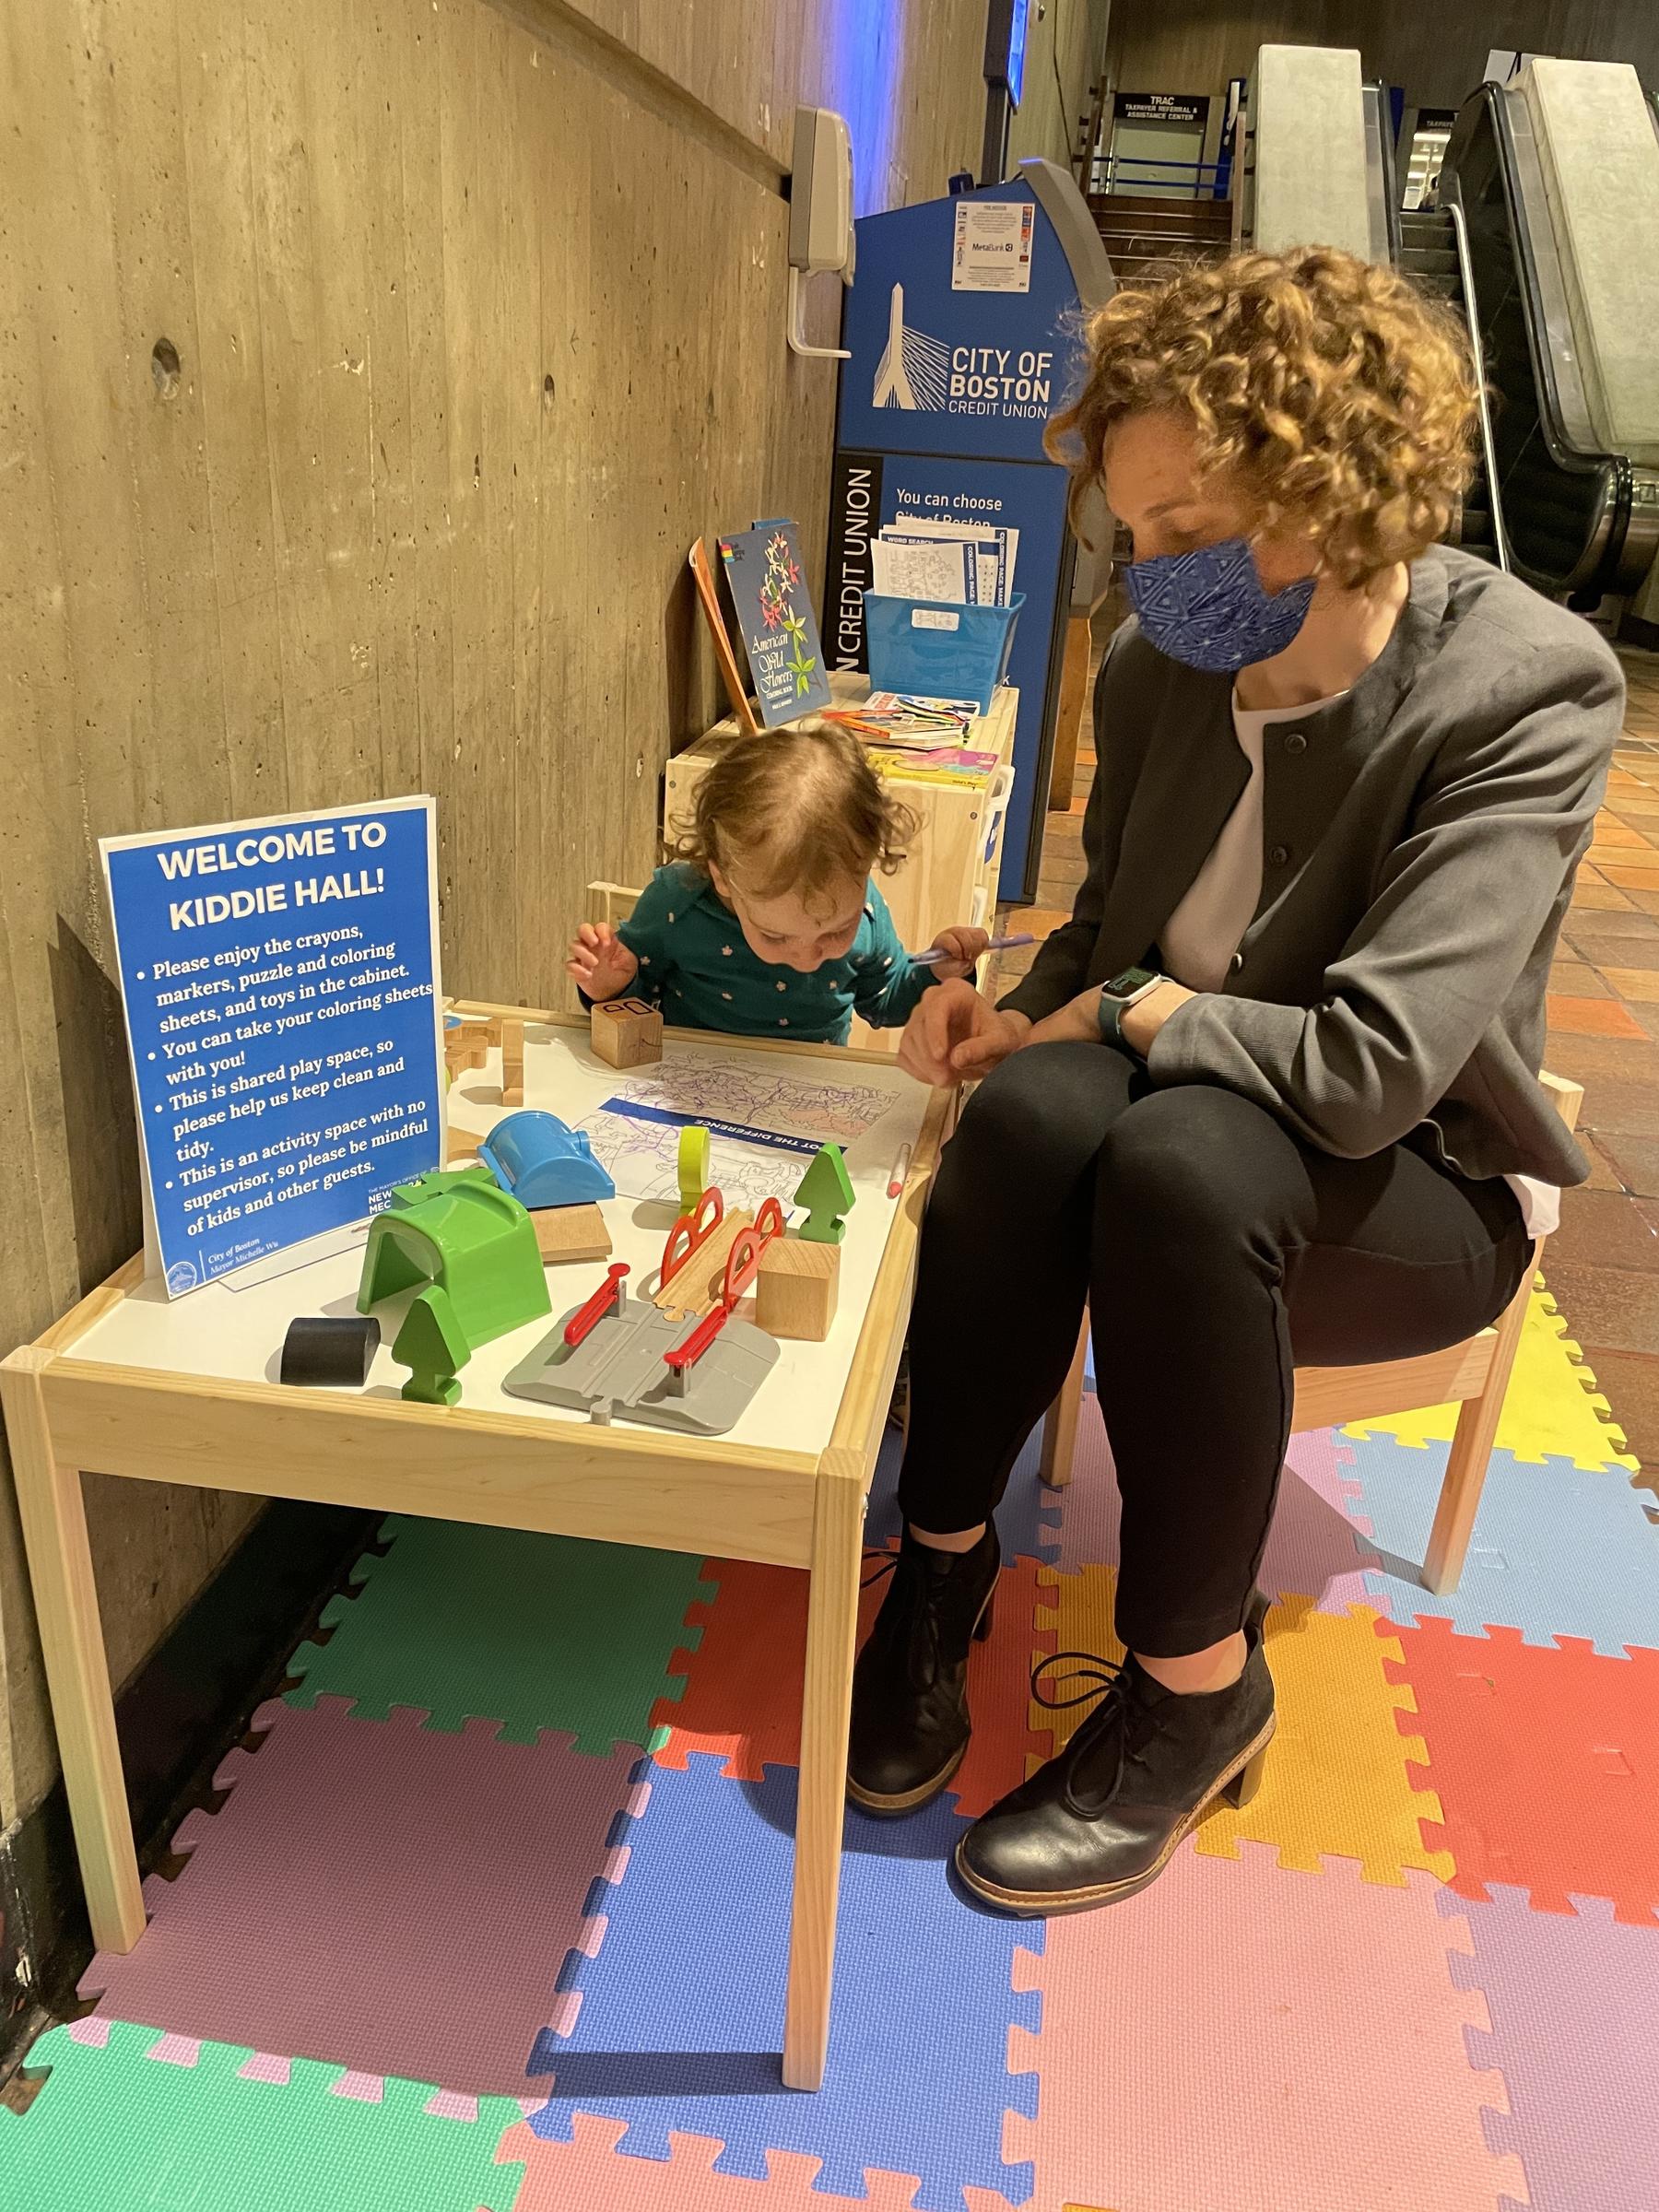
[[910, 1690], [1102, 1819]]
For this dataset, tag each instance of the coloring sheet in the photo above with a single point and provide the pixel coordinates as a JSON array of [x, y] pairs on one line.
[[763, 1129], [782, 1105], [644, 1160]]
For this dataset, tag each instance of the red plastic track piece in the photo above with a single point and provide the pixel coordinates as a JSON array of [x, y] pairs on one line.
[[770, 1220], [743, 1264], [695, 1230], [608, 1294], [690, 1350]]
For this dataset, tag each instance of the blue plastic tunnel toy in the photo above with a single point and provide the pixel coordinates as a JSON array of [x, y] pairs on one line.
[[541, 1161]]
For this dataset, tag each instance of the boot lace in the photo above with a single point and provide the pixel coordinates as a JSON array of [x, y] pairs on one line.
[[916, 1614], [1111, 1719]]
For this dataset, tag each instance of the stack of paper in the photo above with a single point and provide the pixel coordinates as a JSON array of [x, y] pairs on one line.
[[962, 564]]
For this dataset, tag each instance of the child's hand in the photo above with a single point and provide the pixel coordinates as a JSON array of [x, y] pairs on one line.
[[962, 949], [602, 964]]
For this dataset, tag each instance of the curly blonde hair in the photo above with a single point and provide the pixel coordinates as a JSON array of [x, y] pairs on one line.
[[1341, 399], [793, 809]]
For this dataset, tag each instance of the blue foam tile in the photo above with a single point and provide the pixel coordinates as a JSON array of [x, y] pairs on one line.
[[681, 2016], [1028, 1520], [1558, 1550]]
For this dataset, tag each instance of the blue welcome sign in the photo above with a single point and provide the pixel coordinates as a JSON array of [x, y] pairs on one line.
[[280, 985]]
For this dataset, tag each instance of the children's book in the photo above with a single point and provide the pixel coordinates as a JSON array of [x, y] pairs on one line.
[[895, 718], [766, 579], [945, 764]]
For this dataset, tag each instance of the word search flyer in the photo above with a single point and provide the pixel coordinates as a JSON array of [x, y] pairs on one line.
[[280, 985]]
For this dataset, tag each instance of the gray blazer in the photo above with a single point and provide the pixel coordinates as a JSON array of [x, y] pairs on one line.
[[1420, 838]]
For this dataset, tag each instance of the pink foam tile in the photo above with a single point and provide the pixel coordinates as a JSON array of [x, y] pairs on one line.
[[377, 1894], [1572, 2001], [1241, 2037], [589, 2174], [1315, 1548]]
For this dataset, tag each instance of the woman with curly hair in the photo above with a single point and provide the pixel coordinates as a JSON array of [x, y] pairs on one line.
[[1271, 1096]]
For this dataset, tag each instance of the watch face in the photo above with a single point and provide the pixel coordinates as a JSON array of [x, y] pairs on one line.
[[1126, 980]]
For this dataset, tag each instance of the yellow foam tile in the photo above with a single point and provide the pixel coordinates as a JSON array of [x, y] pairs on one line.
[[1336, 1784], [1552, 1410]]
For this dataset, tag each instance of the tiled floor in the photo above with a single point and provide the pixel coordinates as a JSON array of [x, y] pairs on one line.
[[1604, 1032]]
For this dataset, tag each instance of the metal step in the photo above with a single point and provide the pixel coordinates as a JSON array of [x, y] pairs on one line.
[[1439, 261], [1444, 287], [1425, 223]]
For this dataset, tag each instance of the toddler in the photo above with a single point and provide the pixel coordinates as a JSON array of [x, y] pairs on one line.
[[766, 922]]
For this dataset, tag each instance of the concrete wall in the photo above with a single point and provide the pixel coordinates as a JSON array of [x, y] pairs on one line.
[[1064, 58], [477, 309]]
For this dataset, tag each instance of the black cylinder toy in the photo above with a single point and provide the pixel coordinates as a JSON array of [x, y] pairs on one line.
[[329, 1351]]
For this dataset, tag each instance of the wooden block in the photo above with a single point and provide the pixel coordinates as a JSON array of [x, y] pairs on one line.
[[627, 1032], [466, 1045], [570, 1233], [512, 1063], [796, 1292], [694, 1287]]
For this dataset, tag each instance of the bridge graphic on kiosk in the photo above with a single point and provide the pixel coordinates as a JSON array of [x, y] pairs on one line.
[[914, 369]]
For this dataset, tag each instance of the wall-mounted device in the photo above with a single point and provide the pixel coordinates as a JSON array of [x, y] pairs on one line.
[[1007, 30], [821, 217]]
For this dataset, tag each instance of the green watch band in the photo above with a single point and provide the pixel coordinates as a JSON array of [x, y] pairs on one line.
[[1112, 1026], [1118, 993]]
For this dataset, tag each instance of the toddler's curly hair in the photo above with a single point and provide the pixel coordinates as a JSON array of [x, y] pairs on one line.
[[1341, 399], [793, 809]]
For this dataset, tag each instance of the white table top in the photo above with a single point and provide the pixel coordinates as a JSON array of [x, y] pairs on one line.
[[234, 1329]]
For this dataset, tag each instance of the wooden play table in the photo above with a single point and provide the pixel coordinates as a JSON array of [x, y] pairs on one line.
[[131, 1383]]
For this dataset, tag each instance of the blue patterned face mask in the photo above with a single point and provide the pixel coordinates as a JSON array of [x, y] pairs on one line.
[[1209, 609]]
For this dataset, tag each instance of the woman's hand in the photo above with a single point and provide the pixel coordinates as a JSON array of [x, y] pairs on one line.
[[962, 948], [1079, 1020], [954, 1035], [602, 964]]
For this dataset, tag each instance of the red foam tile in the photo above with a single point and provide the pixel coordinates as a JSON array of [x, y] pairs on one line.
[[1240, 2037], [742, 1698], [1546, 1759]]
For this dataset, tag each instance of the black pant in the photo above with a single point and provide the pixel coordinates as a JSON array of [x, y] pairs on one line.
[[1217, 1253]]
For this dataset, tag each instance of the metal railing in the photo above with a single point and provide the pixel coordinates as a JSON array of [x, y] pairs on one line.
[[1489, 451], [1186, 178]]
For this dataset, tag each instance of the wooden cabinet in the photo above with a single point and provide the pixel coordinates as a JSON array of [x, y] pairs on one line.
[[949, 873]]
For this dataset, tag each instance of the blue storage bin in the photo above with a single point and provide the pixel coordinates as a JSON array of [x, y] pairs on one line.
[[941, 651]]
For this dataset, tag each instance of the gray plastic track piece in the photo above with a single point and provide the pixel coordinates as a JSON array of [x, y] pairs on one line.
[[617, 1369]]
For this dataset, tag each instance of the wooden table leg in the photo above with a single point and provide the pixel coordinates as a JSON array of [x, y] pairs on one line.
[[65, 1598], [831, 1639], [1068, 718]]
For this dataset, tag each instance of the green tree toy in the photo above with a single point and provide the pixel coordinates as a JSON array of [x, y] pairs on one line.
[[432, 1345], [827, 1193]]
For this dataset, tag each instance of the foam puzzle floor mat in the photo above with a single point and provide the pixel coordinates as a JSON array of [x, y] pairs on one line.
[[493, 1913]]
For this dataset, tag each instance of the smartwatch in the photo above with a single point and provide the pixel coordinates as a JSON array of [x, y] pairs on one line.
[[1118, 993]]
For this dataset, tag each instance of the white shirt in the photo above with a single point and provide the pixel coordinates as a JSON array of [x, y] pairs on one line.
[[1203, 934]]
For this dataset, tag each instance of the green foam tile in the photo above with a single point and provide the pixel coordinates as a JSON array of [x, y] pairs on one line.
[[491, 1624], [118, 2130]]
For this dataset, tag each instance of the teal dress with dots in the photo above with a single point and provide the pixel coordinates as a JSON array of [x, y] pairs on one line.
[[695, 965]]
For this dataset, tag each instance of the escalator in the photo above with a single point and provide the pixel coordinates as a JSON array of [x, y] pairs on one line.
[[1552, 502], [1429, 252]]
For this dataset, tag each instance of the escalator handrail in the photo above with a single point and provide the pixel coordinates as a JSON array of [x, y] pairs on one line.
[[1488, 106], [1466, 269]]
